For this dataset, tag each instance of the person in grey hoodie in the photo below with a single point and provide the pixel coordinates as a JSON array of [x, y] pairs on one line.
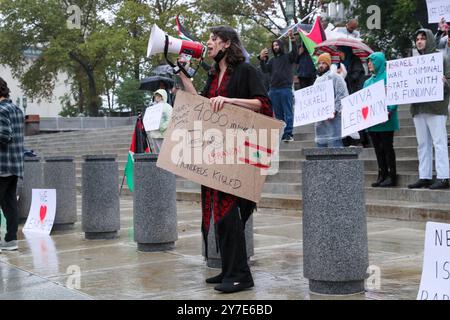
[[430, 120], [280, 68]]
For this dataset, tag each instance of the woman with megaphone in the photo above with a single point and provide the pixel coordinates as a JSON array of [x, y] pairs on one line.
[[230, 80]]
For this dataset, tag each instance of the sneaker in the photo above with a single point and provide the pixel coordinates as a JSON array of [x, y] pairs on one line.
[[230, 287], [440, 184], [216, 279], [421, 183], [10, 245], [288, 139]]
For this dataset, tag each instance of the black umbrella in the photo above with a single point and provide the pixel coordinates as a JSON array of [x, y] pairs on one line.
[[153, 83]]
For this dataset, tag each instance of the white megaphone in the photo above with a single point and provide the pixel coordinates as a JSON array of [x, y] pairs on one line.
[[160, 42]]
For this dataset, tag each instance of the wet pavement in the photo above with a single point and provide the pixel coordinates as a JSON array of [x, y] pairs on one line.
[[66, 266]]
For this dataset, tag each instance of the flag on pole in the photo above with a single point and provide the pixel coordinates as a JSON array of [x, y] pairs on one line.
[[313, 38], [138, 145], [183, 33]]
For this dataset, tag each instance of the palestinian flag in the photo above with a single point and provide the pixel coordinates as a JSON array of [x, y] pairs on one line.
[[138, 145], [182, 32], [313, 38]]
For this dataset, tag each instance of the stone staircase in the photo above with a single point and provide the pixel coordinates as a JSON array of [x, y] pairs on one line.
[[283, 190]]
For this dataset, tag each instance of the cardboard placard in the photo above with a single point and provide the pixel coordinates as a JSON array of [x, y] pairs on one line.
[[42, 211], [314, 103], [415, 79], [437, 9], [152, 117], [435, 282], [231, 150], [364, 109]]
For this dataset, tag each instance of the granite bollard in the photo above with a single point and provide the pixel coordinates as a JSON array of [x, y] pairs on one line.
[[59, 174], [154, 205], [32, 179], [100, 211], [214, 260], [335, 246]]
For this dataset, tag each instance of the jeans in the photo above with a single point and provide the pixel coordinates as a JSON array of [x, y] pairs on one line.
[[431, 131], [8, 203], [282, 99]]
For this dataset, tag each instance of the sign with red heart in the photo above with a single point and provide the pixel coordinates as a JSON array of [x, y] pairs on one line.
[[42, 211], [364, 109]]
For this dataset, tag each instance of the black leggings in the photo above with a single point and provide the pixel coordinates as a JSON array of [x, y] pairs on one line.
[[383, 143]]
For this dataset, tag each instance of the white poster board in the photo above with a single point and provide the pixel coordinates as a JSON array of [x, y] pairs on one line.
[[314, 103], [363, 109], [42, 211], [437, 9], [435, 282], [152, 117], [415, 79]]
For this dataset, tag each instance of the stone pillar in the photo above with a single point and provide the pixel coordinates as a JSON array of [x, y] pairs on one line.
[[100, 208], [32, 179], [334, 221], [154, 205], [59, 174], [214, 260]]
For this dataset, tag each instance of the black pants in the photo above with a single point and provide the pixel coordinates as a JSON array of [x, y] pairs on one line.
[[233, 251], [8, 203], [383, 143]]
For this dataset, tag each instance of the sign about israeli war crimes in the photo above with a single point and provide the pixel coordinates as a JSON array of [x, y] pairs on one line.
[[415, 79], [314, 103], [42, 211], [152, 117], [364, 108], [435, 282], [437, 9], [231, 150]]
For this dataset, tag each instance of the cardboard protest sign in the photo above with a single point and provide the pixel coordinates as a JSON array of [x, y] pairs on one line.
[[42, 211], [152, 117], [230, 150], [363, 109], [314, 103], [415, 79], [435, 282], [437, 9]]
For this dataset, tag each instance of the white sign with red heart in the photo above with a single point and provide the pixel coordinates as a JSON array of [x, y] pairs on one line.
[[363, 109], [42, 211]]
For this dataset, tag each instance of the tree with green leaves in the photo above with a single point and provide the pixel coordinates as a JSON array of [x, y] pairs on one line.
[[398, 24]]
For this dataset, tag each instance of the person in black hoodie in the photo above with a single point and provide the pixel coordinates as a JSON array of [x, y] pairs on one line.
[[280, 68], [306, 70]]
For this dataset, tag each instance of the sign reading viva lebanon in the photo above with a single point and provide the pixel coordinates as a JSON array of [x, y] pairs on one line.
[[231, 150], [42, 211], [415, 79], [364, 109], [314, 103], [435, 282]]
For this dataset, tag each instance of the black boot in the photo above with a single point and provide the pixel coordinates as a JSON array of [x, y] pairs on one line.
[[421, 183], [216, 279], [381, 178], [440, 184], [390, 181]]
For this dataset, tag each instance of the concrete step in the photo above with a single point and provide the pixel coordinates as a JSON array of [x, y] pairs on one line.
[[401, 210]]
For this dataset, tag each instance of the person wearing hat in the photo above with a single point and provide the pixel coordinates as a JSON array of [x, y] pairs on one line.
[[328, 132]]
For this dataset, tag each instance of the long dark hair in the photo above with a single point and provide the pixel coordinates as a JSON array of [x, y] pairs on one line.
[[4, 90], [235, 54]]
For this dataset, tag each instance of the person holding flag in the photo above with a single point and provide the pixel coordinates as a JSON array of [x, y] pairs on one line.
[[139, 144]]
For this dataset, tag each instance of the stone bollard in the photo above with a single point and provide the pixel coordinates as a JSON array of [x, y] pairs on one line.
[[214, 260], [32, 179], [59, 174], [154, 205], [100, 208], [334, 221]]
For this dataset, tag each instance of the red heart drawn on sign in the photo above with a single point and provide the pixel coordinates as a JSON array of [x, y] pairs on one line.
[[365, 112], [42, 212]]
